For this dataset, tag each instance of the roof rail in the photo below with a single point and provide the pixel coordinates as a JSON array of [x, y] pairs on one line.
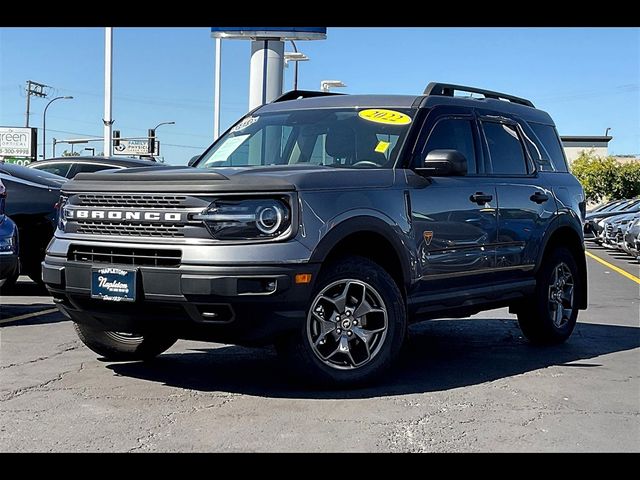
[[295, 94], [446, 89]]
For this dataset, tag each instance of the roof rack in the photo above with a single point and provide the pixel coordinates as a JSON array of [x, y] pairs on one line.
[[446, 89], [295, 94]]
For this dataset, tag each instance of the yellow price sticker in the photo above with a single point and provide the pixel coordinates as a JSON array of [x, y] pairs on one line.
[[382, 146], [387, 117]]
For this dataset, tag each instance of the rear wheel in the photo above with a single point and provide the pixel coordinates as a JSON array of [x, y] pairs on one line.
[[551, 315], [354, 328], [118, 346]]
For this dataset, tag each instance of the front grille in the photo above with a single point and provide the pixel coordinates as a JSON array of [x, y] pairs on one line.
[[150, 257], [130, 200], [131, 229]]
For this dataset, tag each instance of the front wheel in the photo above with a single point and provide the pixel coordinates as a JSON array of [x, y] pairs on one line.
[[354, 327], [551, 315], [116, 346]]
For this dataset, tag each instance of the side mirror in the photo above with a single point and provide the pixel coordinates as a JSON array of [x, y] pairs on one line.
[[193, 160], [443, 163]]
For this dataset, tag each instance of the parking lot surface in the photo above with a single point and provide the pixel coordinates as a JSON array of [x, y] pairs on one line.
[[461, 385]]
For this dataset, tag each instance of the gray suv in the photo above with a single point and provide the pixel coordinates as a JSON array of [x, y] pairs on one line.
[[325, 224]]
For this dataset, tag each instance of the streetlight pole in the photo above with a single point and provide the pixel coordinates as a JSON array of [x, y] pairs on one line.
[[294, 57], [44, 124], [295, 67], [108, 92]]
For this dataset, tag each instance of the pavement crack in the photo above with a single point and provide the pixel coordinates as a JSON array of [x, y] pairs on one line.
[[40, 386], [40, 359]]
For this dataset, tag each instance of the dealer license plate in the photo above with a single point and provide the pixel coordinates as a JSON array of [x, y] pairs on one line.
[[113, 284]]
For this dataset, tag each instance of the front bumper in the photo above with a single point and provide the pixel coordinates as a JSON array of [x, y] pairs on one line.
[[214, 303]]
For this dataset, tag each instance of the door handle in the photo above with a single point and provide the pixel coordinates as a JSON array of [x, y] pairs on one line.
[[480, 198], [539, 197]]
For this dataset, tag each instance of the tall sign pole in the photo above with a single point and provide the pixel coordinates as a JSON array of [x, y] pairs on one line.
[[266, 71], [108, 102], [267, 58], [216, 90]]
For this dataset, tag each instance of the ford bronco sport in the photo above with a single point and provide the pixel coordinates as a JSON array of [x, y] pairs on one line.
[[324, 224]]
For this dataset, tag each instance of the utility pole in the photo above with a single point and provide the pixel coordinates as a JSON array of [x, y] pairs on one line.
[[37, 90]]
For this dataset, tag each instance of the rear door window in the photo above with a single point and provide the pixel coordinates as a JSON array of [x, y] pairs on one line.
[[505, 148]]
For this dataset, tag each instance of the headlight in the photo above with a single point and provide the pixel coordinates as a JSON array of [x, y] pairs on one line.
[[7, 246], [247, 219], [62, 221]]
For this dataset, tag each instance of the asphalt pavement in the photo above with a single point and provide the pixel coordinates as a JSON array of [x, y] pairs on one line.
[[461, 385]]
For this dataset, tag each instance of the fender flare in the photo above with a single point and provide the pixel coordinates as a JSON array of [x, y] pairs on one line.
[[567, 221], [365, 223]]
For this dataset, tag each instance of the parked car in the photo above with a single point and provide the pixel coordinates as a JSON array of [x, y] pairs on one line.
[[325, 224], [613, 230], [32, 196], [9, 264], [631, 243], [69, 167], [594, 221]]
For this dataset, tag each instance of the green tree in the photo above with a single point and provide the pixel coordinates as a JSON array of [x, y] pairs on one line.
[[605, 178], [67, 153]]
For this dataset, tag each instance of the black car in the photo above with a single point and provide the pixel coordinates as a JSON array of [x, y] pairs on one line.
[[9, 265], [32, 196], [69, 167], [325, 224]]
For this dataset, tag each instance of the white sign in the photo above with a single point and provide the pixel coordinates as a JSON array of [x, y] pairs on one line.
[[16, 142], [134, 147]]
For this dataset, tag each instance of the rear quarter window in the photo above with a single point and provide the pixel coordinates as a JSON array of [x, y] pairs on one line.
[[551, 142]]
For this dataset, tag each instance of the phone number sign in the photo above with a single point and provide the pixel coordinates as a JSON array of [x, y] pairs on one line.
[[18, 142]]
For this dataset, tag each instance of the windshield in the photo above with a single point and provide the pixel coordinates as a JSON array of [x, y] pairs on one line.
[[366, 138]]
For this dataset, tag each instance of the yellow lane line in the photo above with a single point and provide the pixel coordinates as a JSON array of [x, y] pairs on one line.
[[622, 272], [28, 315]]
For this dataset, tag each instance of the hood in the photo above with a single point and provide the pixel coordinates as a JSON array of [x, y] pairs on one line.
[[230, 179], [600, 215]]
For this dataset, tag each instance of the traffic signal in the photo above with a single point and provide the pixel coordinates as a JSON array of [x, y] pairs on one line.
[[152, 141], [116, 138]]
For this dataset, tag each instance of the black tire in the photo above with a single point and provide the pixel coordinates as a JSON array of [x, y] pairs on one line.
[[10, 283], [298, 349], [123, 347], [536, 317]]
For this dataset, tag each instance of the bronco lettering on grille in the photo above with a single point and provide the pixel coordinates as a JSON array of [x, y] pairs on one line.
[[95, 214]]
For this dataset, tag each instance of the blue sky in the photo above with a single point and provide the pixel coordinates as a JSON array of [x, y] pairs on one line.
[[588, 79]]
